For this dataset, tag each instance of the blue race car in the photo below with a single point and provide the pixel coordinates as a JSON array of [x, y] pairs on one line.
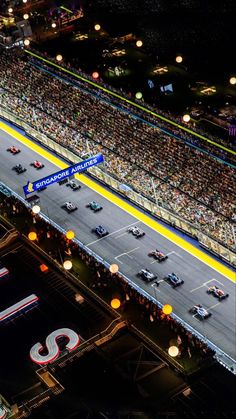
[[174, 280], [100, 231]]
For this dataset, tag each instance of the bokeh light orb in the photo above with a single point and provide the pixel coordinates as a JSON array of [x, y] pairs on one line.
[[36, 209], [114, 268], [115, 303], [232, 80], [67, 265], [97, 27], [138, 95], [59, 57], [10, 10], [70, 234], [186, 118], [24, 1], [167, 309], [179, 59], [173, 351], [32, 236], [26, 42], [26, 16], [95, 75], [139, 43], [54, 25]]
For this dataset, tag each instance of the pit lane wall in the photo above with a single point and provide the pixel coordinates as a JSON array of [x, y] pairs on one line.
[[205, 241], [224, 359]]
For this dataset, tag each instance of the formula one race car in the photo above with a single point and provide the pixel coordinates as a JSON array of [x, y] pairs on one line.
[[69, 207], [217, 292], [37, 164], [93, 205], [19, 169], [158, 255], [100, 231], [14, 150], [147, 275], [174, 280], [73, 185], [136, 231], [200, 312]]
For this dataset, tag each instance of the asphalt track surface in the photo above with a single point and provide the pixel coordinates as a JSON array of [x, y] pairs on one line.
[[129, 253]]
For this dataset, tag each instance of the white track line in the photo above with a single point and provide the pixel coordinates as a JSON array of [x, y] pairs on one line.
[[215, 305], [114, 232], [126, 253], [205, 284]]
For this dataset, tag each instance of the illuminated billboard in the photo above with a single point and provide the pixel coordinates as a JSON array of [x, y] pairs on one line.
[[53, 350], [62, 174]]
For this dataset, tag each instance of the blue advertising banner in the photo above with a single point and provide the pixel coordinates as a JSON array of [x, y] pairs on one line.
[[62, 174]]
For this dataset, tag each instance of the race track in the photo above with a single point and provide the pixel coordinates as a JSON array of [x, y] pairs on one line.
[[128, 252]]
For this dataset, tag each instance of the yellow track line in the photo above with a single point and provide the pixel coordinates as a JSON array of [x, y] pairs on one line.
[[110, 92], [146, 219]]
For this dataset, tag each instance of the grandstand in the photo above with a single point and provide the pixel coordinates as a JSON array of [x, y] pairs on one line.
[[181, 173]]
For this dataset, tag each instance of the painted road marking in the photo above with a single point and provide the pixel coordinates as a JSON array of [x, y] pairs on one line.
[[154, 261], [215, 305], [167, 254], [135, 212], [110, 234], [170, 253], [201, 286], [121, 235], [205, 284], [126, 253], [155, 287]]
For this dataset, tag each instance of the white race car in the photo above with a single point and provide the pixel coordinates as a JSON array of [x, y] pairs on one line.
[[136, 231], [147, 275], [200, 312], [69, 206]]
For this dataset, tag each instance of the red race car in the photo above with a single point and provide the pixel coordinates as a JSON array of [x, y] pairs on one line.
[[217, 292], [37, 164], [158, 255], [13, 150]]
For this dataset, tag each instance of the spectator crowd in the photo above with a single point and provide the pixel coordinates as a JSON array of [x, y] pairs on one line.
[[101, 278], [192, 180]]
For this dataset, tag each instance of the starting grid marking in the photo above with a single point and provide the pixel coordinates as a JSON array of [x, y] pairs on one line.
[[110, 234], [125, 206], [126, 254], [209, 308], [205, 284], [168, 254]]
